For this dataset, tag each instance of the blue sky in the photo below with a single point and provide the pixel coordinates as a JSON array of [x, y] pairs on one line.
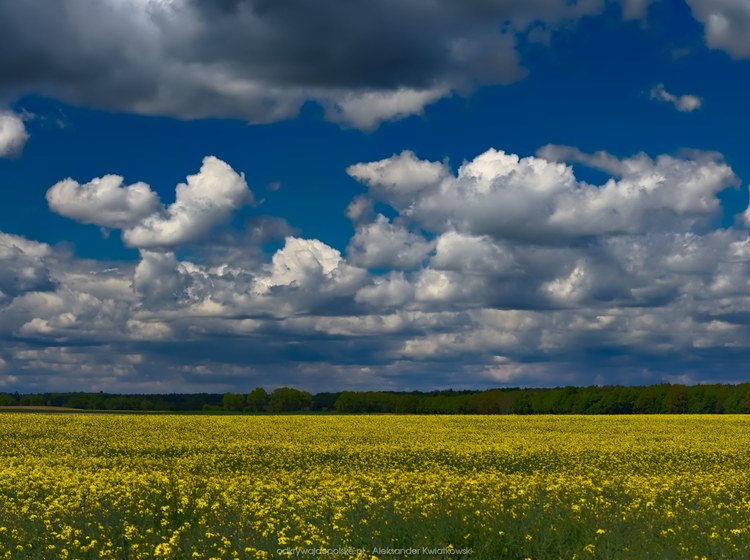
[[211, 196]]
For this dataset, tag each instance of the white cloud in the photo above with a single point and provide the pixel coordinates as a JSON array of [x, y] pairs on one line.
[[103, 201], [482, 332], [635, 9], [446, 287], [148, 330], [570, 288], [393, 290], [382, 244], [22, 265], [207, 200], [199, 58], [471, 254], [398, 178], [310, 265], [366, 110], [684, 103], [600, 160], [13, 134], [528, 271], [158, 280], [360, 208], [726, 24], [66, 315], [531, 198], [14, 245], [369, 325]]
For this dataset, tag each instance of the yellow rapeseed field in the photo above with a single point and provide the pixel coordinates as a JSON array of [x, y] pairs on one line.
[[540, 487]]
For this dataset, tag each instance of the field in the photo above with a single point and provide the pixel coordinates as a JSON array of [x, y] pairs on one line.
[[491, 487]]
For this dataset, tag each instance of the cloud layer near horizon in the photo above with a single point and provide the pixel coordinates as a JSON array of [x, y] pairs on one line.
[[510, 270]]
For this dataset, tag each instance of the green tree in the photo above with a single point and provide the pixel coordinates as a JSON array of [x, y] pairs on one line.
[[210, 407], [734, 402], [522, 403], [586, 401], [257, 399], [703, 399], [347, 401], [676, 400], [433, 404], [649, 400], [77, 401], [33, 400], [745, 402], [493, 401], [325, 401], [614, 400], [286, 399], [146, 404], [407, 404], [7, 400], [233, 401]]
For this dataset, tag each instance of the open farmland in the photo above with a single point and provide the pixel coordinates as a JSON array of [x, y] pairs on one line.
[[541, 487]]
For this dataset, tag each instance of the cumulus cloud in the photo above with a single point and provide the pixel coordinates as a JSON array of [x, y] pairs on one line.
[[684, 103], [310, 265], [635, 9], [23, 265], [13, 134], [261, 61], [726, 24], [205, 201], [157, 279], [360, 208], [471, 254], [366, 110], [103, 201], [392, 290], [57, 298], [533, 198], [398, 178], [510, 270], [600, 160], [382, 244]]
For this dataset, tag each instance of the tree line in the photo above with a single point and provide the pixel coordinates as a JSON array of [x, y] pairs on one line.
[[613, 399]]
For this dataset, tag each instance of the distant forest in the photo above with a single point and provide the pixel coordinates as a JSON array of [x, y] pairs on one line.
[[617, 399]]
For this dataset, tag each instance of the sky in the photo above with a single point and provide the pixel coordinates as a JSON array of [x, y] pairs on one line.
[[218, 195]]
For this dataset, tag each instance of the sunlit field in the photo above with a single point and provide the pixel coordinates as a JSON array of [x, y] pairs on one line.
[[540, 487]]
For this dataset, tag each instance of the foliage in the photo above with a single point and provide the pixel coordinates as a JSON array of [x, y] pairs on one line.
[[286, 399], [609, 399], [233, 401], [257, 400], [33, 400]]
